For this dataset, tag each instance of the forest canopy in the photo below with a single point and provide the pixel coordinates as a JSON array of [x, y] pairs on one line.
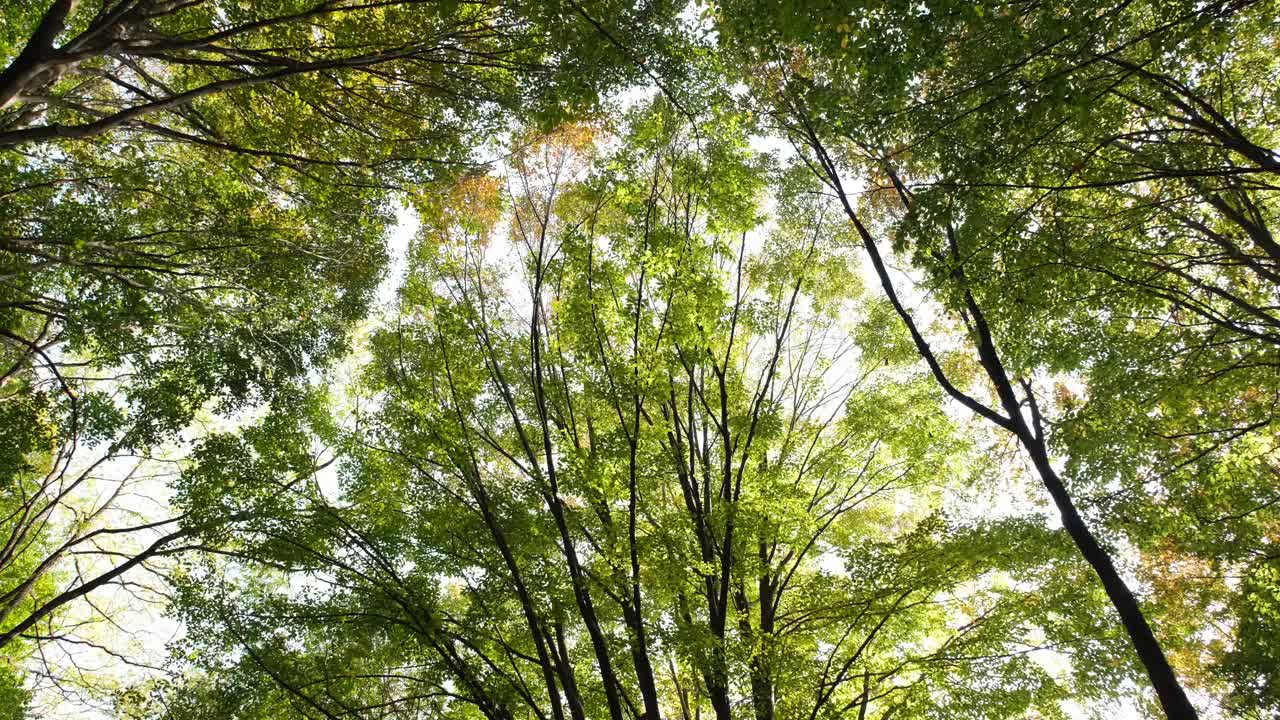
[[483, 360]]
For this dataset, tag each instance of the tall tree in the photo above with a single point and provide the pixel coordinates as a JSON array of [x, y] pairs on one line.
[[194, 198], [618, 464], [1084, 198]]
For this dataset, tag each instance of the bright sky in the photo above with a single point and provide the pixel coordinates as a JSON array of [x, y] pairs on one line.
[[152, 631]]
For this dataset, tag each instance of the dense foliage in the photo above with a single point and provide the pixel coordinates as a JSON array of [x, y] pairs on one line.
[[750, 359]]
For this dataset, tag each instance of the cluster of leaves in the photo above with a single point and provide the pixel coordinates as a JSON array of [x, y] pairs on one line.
[[635, 440], [194, 198], [1088, 189], [612, 462]]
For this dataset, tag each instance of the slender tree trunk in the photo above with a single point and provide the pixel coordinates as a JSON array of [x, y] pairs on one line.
[[644, 668], [565, 668], [635, 612], [526, 601], [761, 661], [551, 496], [717, 671], [1173, 698], [1169, 691], [586, 608]]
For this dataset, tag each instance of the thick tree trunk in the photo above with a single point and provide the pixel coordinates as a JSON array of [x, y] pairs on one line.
[[34, 58], [718, 686], [1173, 698], [761, 688]]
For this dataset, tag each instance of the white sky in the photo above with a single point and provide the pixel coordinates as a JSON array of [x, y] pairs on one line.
[[154, 630]]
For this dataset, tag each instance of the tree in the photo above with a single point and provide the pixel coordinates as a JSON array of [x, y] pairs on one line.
[[633, 440], [610, 460], [194, 201], [1062, 182]]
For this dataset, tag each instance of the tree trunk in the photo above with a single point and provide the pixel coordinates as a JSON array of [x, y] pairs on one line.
[[1169, 691], [33, 60]]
